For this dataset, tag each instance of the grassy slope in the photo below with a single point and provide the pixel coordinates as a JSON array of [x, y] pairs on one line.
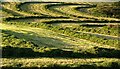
[[43, 37], [48, 38], [54, 40]]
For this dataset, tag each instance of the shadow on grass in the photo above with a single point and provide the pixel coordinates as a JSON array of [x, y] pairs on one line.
[[35, 17], [85, 21], [113, 65], [11, 12], [16, 52], [37, 39]]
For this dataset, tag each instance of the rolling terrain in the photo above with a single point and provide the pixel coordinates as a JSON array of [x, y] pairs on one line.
[[60, 35]]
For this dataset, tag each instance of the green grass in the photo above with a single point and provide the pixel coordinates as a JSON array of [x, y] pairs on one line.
[[105, 10], [40, 34], [38, 8], [58, 35], [60, 62], [11, 8], [72, 33]]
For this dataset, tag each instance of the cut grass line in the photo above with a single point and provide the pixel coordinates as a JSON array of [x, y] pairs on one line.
[[91, 16], [39, 19], [38, 7], [67, 42], [101, 35], [74, 12], [46, 62], [15, 11]]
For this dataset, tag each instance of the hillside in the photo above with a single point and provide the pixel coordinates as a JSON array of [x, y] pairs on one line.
[[60, 35]]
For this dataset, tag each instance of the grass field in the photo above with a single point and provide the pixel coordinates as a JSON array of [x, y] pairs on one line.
[[60, 35]]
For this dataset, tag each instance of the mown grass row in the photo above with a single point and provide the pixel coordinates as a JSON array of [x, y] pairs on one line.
[[65, 9], [23, 48], [12, 9], [82, 21], [69, 32], [48, 7], [22, 7], [42, 52], [109, 30], [60, 21], [22, 18], [74, 12], [59, 63], [39, 8]]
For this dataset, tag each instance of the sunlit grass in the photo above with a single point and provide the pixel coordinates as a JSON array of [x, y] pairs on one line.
[[42, 39], [46, 62], [56, 39]]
